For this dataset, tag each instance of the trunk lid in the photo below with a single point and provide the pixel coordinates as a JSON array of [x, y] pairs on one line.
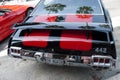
[[59, 39]]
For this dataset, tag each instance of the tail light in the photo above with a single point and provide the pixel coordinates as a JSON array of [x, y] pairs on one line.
[[16, 51], [102, 61]]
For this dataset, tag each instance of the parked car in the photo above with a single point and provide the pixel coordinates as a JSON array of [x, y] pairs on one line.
[[66, 32], [10, 14]]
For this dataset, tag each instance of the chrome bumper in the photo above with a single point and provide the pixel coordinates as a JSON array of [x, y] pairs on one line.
[[97, 61]]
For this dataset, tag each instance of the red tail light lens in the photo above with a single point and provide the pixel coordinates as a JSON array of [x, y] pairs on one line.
[[16, 51], [107, 60], [95, 60], [101, 60]]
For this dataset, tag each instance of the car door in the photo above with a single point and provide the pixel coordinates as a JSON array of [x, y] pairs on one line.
[[6, 21]]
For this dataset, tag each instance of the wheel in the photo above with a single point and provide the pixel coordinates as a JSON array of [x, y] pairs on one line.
[[29, 10]]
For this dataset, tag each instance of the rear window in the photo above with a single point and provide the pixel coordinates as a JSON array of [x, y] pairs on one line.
[[63, 7]]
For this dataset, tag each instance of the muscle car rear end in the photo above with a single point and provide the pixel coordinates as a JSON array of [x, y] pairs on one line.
[[66, 32]]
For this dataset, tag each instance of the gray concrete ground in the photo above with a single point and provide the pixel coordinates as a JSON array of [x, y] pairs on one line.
[[17, 69]]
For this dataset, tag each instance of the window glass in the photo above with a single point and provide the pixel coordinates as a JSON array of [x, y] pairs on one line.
[[68, 7]]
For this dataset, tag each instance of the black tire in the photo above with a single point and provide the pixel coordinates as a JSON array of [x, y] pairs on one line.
[[29, 10]]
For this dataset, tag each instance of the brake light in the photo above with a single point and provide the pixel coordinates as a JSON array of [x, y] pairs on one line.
[[15, 50], [101, 60]]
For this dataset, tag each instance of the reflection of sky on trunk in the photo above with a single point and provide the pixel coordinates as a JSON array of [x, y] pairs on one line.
[[42, 38], [47, 2], [52, 39], [68, 25]]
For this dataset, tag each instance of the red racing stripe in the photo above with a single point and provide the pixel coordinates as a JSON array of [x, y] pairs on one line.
[[37, 38], [69, 18], [45, 18], [78, 18], [75, 40]]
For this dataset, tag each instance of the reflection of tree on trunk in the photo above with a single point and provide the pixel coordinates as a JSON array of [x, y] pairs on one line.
[[55, 8], [85, 10], [60, 19], [104, 26]]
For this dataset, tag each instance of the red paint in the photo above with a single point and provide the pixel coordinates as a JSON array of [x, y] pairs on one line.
[[6, 21], [45, 18], [75, 40], [68, 18], [13, 7], [37, 38], [78, 18]]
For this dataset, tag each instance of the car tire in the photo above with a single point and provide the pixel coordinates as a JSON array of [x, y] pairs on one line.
[[29, 10]]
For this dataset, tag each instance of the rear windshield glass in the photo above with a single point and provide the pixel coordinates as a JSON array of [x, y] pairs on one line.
[[68, 7]]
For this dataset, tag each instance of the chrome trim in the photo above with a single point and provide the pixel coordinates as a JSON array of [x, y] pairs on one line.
[[101, 7], [67, 61], [101, 56], [28, 58], [18, 48], [15, 48], [102, 64], [15, 54]]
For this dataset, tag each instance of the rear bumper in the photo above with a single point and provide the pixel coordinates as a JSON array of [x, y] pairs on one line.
[[97, 61]]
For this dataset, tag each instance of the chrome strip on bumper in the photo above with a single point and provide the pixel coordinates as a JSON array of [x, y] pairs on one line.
[[48, 58]]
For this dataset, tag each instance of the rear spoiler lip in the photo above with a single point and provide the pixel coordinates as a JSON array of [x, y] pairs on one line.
[[66, 26], [18, 40]]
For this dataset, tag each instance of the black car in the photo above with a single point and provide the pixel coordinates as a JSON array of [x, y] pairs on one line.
[[66, 32]]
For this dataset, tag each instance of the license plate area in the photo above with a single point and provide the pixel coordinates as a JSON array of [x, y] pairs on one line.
[[55, 61]]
